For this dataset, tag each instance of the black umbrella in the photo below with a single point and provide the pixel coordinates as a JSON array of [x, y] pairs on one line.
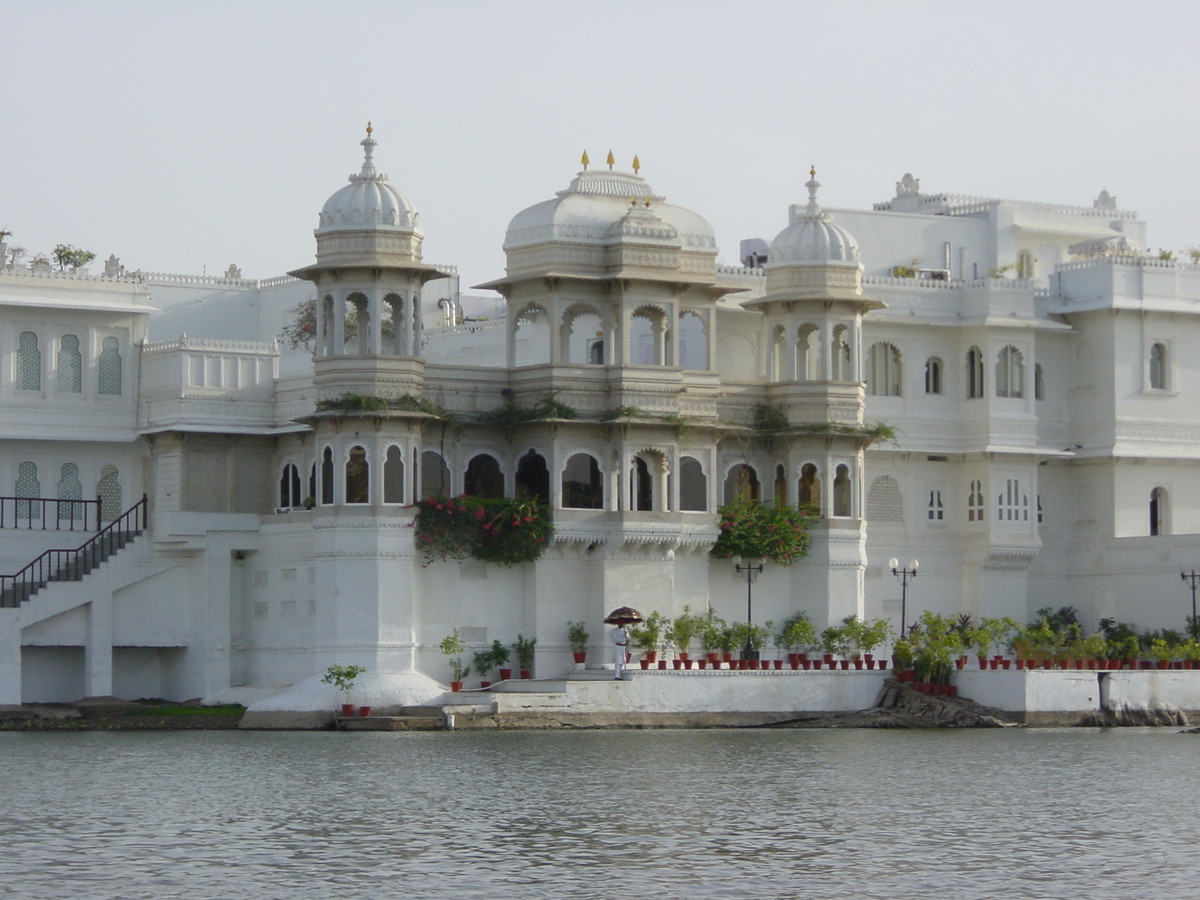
[[624, 616]]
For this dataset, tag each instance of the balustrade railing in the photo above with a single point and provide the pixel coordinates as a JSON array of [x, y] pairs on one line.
[[50, 514]]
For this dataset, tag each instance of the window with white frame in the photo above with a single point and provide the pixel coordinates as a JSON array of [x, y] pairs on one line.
[[935, 512], [1158, 367], [29, 362], [974, 373], [70, 365], [108, 367], [883, 370], [1010, 373], [933, 375]]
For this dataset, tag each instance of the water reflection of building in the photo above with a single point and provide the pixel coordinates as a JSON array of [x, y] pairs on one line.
[[1044, 449]]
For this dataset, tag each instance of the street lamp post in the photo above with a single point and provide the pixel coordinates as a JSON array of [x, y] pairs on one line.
[[751, 571], [1191, 578], [905, 574]]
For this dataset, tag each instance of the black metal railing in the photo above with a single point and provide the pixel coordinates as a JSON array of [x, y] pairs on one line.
[[49, 514], [72, 565]]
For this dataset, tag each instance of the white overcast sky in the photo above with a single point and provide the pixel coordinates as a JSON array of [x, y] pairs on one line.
[[183, 136]]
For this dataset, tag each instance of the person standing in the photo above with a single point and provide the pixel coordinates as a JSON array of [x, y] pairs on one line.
[[620, 638]]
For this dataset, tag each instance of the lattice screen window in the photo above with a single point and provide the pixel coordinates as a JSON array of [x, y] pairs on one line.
[[473, 635], [29, 362], [1011, 504], [109, 367], [70, 488], [109, 491], [70, 365], [884, 503], [27, 485]]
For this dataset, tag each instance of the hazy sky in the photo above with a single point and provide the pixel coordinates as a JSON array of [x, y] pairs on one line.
[[180, 136]]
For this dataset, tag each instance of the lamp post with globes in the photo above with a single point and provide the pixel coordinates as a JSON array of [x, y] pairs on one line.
[[905, 574], [1191, 578]]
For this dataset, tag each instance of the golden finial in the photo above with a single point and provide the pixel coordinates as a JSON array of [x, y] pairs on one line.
[[584, 159], [610, 159], [636, 164], [647, 203], [812, 173], [369, 128], [633, 201]]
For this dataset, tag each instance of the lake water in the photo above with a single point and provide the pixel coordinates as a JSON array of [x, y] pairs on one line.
[[1071, 813]]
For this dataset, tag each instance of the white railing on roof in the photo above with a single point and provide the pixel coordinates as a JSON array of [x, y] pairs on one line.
[[466, 327], [168, 278], [893, 281], [966, 205], [204, 345], [1148, 262], [278, 280], [747, 271], [46, 272]]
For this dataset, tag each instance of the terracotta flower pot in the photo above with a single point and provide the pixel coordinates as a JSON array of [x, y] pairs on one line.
[[869, 659], [484, 685], [580, 656], [685, 656], [779, 664], [726, 657], [505, 674], [816, 663], [652, 655], [347, 710], [662, 664], [845, 664], [795, 664], [702, 663], [881, 664], [645, 664], [687, 663], [828, 660], [858, 664], [808, 664], [455, 686], [803, 657], [364, 711], [983, 663], [1006, 664], [712, 657], [526, 673]]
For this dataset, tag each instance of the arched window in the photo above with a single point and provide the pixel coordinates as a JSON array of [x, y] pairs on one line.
[[533, 477], [693, 485], [975, 502], [808, 355], [108, 367], [1158, 511], [583, 336], [327, 477], [358, 476], [883, 370], [29, 362], [582, 487], [884, 501], [435, 475], [392, 326], [933, 375], [648, 337], [741, 484], [693, 342], [531, 337], [109, 490], [781, 487], [840, 355], [70, 365], [974, 373], [934, 511], [289, 487], [808, 497], [641, 485], [1025, 264], [842, 500], [28, 485], [70, 488], [358, 322], [1158, 367], [483, 477], [1039, 382], [1010, 373], [393, 475]]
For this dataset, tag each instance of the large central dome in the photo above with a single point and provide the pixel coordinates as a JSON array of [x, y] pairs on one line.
[[368, 202], [594, 204]]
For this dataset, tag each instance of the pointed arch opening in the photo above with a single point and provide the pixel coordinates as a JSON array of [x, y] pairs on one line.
[[693, 485], [393, 475], [533, 477], [582, 485], [742, 485], [483, 477]]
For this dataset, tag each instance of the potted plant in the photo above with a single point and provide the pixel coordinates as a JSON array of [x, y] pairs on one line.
[[797, 635], [343, 677], [711, 630], [1091, 648], [833, 642], [452, 645], [727, 640], [874, 634], [1161, 652], [648, 635], [577, 637], [751, 638], [902, 659], [485, 661], [524, 647], [682, 631]]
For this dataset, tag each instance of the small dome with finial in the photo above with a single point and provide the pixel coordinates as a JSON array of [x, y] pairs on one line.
[[811, 238], [368, 202]]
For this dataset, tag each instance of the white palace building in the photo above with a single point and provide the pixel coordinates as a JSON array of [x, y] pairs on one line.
[[1030, 358]]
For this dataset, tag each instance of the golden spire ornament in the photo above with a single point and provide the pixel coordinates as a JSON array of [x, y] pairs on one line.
[[369, 128], [611, 159], [636, 164], [584, 159]]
